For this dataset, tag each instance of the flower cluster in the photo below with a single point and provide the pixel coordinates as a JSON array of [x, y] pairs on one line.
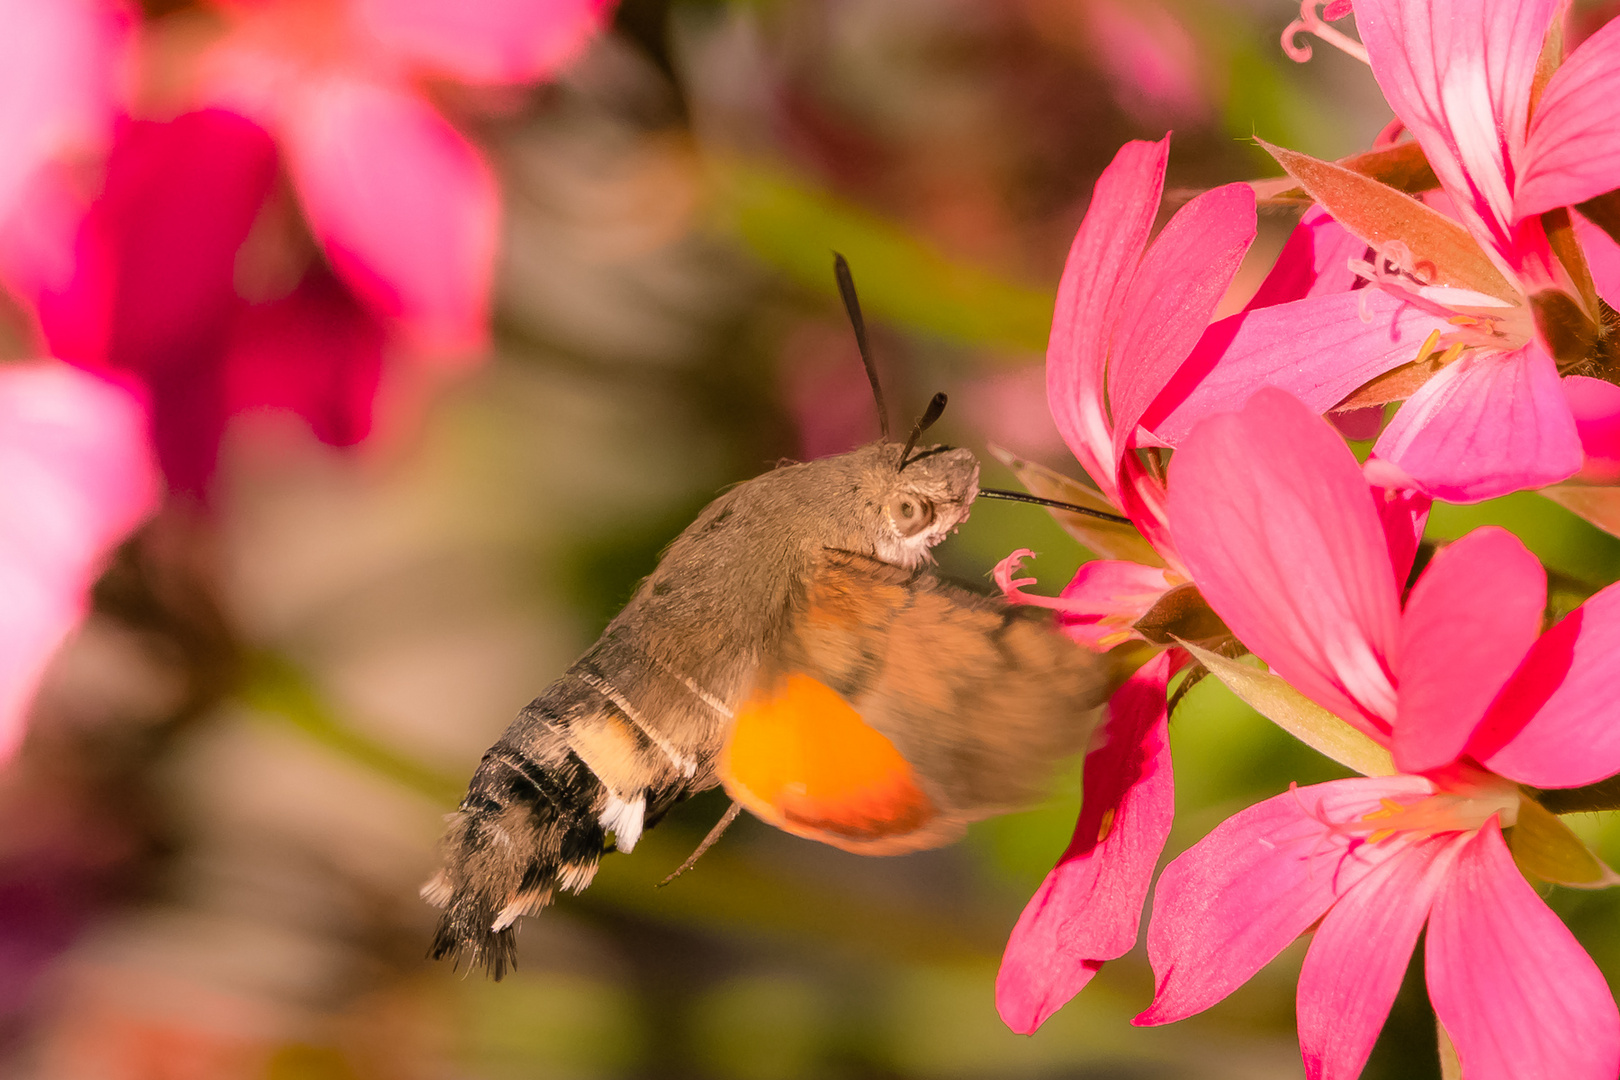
[[254, 206], [1446, 299]]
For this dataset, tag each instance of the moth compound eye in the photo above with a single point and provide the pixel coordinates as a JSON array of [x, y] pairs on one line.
[[910, 514]]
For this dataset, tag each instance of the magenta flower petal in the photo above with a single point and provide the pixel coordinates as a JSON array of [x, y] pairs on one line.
[[58, 83], [1553, 724], [491, 41], [1470, 620], [1089, 908], [317, 352], [1518, 995], [1275, 521], [1183, 276], [1595, 404], [1099, 605], [1359, 954], [1319, 349], [78, 477], [1091, 293], [1314, 262], [1403, 511], [1602, 258], [406, 207], [1230, 903], [1458, 73], [1486, 425], [1573, 150]]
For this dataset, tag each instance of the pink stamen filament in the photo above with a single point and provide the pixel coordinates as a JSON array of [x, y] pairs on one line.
[[1309, 22]]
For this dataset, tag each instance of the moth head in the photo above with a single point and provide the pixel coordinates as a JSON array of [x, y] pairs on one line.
[[909, 510]]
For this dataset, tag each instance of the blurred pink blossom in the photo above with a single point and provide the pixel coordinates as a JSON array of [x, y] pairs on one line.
[[1127, 314], [75, 478], [1285, 539]]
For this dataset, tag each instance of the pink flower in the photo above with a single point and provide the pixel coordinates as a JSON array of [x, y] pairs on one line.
[[405, 207], [1284, 537], [75, 478], [1460, 76], [1127, 315]]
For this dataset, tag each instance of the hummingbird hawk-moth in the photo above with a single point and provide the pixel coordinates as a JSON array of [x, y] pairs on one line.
[[791, 646]]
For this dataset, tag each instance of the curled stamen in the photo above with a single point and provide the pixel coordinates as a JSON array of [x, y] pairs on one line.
[[1309, 22]]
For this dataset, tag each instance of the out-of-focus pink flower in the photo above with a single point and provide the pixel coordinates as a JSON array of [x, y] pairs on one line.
[[1284, 537], [1151, 58], [1127, 315], [406, 207], [75, 477], [59, 84]]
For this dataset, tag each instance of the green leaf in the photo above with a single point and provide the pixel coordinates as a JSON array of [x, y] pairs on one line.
[[1545, 847], [1273, 698], [1381, 215], [1109, 539], [903, 280]]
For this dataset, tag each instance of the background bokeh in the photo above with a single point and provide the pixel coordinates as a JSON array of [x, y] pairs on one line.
[[235, 777]]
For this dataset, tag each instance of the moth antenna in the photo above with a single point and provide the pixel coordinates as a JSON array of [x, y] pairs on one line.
[[935, 407], [708, 842], [1025, 497], [852, 305]]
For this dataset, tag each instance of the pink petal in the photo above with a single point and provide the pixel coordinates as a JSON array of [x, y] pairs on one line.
[[1182, 277], [1319, 349], [1595, 405], [1234, 900], [1359, 956], [316, 352], [1489, 424], [405, 207], [1403, 511], [1089, 908], [152, 291], [1277, 525], [1458, 73], [1518, 995], [1470, 620], [1314, 262], [77, 476], [1151, 58], [1602, 258], [59, 83], [1091, 294], [1098, 607], [491, 41], [1553, 724], [1573, 151]]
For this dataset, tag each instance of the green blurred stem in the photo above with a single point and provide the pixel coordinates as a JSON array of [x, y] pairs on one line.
[[1603, 795], [278, 688]]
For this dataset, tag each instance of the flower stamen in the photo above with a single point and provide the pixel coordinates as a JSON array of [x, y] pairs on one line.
[[1309, 22]]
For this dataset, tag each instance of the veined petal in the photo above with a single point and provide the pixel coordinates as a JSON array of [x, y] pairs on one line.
[[1458, 74], [1553, 724], [1091, 293], [1404, 512], [1089, 908], [1314, 262], [1486, 425], [1209, 935], [1470, 620], [405, 207], [1319, 349], [1273, 518], [491, 41], [1573, 150], [1182, 277], [1359, 955], [1518, 995]]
